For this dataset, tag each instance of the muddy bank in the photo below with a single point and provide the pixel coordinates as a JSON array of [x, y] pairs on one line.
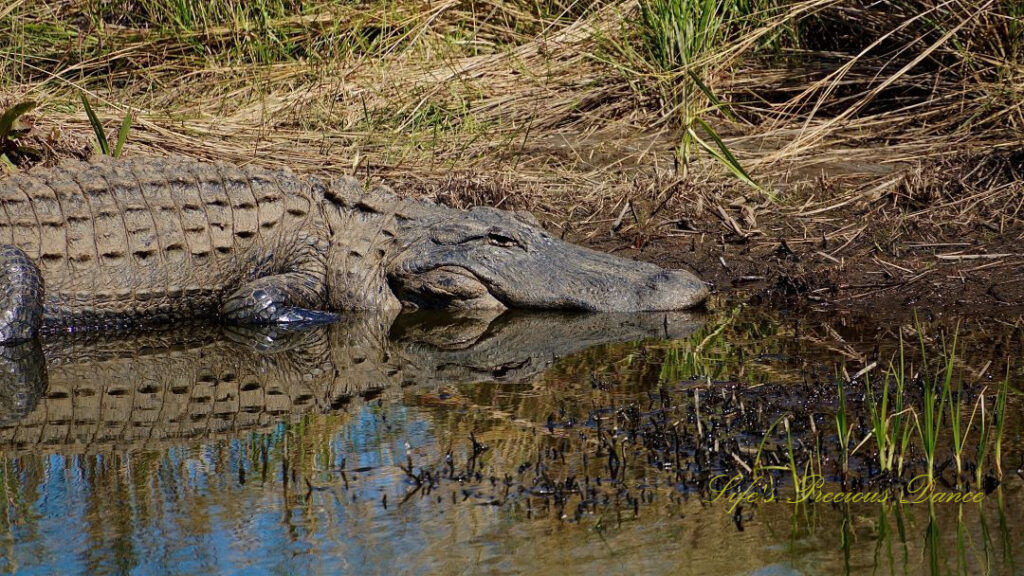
[[945, 235]]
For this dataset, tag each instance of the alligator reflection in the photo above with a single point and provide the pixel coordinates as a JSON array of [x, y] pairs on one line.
[[93, 393]]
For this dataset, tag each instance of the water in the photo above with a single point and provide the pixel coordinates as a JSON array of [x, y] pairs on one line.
[[431, 444]]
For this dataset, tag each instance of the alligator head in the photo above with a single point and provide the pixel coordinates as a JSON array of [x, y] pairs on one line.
[[427, 256], [489, 258]]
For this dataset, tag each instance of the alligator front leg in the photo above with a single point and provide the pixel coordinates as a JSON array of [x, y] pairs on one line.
[[279, 299], [21, 296], [290, 291]]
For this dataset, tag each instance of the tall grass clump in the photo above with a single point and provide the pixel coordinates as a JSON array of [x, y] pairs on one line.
[[687, 42], [683, 44]]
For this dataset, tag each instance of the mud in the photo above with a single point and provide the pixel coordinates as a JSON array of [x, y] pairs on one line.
[[944, 235]]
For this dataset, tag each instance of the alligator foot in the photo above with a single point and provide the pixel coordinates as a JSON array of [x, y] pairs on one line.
[[21, 296], [303, 316], [290, 298]]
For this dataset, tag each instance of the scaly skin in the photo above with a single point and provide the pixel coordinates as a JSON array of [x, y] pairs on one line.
[[122, 243], [117, 243]]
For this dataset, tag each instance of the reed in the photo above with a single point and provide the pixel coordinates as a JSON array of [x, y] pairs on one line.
[[844, 429], [936, 390], [999, 418], [890, 424]]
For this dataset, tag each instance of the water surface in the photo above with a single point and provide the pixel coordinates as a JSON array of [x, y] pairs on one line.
[[467, 444]]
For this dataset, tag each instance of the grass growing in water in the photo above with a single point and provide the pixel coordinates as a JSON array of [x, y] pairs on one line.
[[936, 388], [890, 425], [999, 417], [844, 430]]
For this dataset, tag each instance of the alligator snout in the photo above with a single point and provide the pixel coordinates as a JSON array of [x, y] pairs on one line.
[[671, 290], [614, 284]]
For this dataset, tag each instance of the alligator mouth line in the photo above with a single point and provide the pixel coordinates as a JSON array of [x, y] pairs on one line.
[[447, 286]]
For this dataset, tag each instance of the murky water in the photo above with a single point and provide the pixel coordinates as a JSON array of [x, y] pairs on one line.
[[431, 444]]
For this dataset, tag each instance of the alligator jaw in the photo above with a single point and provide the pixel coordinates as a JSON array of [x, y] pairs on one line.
[[450, 287], [601, 283]]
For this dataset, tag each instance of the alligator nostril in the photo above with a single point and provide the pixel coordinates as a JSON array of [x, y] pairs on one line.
[[660, 278]]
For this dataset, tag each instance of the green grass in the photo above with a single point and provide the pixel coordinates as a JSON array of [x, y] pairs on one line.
[[936, 388], [10, 128], [844, 429], [890, 419], [102, 143], [943, 415], [999, 423]]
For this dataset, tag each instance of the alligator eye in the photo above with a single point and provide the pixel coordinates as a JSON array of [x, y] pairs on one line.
[[499, 239]]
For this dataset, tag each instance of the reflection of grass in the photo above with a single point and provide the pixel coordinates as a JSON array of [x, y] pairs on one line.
[[946, 538], [703, 354], [931, 540], [725, 347]]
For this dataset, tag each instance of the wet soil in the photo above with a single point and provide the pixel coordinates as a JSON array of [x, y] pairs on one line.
[[947, 234]]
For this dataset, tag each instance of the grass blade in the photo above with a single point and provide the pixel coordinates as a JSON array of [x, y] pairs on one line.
[[122, 134], [97, 126], [11, 115], [715, 101], [722, 154]]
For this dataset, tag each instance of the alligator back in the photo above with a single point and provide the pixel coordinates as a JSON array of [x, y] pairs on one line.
[[118, 242]]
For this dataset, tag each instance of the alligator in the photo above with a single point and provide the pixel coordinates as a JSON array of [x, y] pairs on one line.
[[114, 243], [94, 391]]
